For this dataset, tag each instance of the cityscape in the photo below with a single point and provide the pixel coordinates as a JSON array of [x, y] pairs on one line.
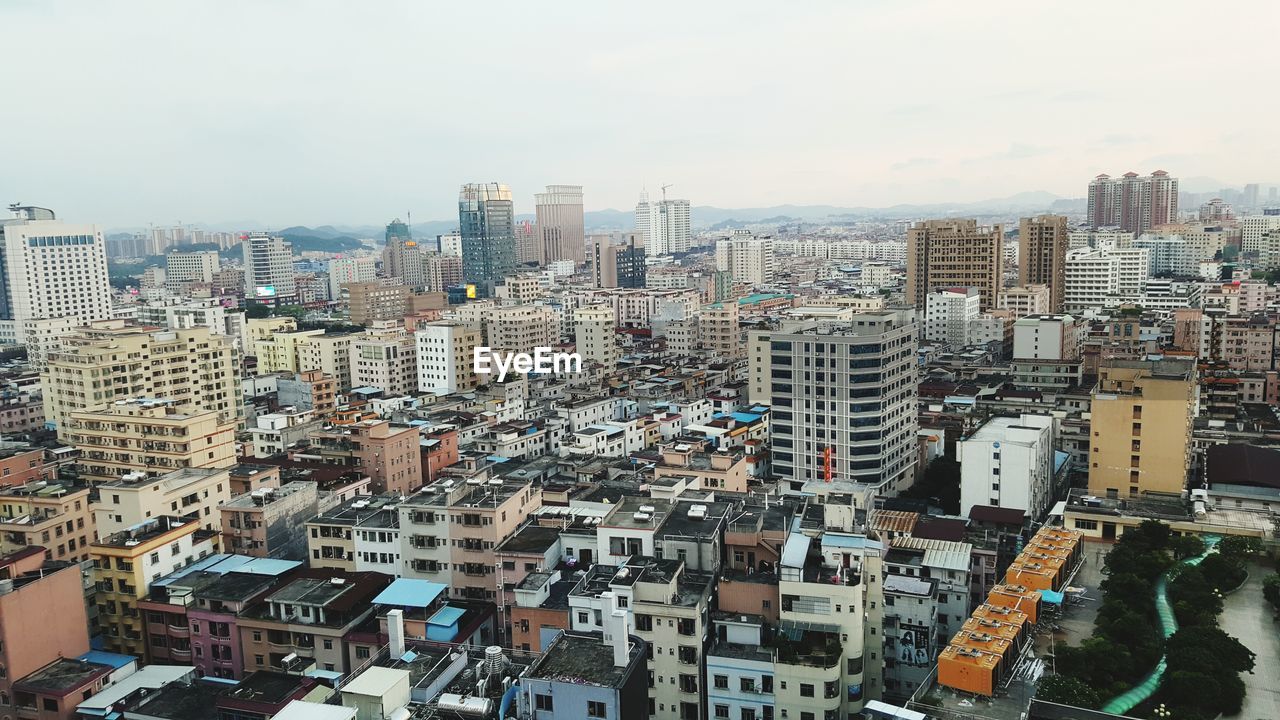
[[904, 447]]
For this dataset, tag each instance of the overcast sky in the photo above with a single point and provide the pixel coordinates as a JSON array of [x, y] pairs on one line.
[[125, 113]]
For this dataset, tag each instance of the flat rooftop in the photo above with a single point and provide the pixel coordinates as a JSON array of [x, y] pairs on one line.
[[581, 660], [180, 702], [309, 591], [62, 676]]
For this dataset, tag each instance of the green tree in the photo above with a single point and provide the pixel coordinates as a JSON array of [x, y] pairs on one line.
[[1271, 590], [1186, 546], [1238, 546], [1067, 691], [1196, 646], [257, 311], [1196, 602], [1223, 572]]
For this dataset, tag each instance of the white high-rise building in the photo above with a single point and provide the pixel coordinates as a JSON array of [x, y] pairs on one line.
[[746, 258], [844, 399], [268, 268], [948, 313], [664, 224], [450, 243], [1098, 278], [182, 269], [51, 269], [446, 357], [1254, 229], [351, 270], [1008, 463]]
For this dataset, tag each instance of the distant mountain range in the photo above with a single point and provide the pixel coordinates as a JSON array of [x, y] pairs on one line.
[[709, 217]]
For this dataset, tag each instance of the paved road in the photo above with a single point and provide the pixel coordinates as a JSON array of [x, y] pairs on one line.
[[1247, 617]]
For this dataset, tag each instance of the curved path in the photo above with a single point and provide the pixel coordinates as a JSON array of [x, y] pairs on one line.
[[1126, 701]]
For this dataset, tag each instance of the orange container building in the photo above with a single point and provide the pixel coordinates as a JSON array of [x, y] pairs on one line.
[[969, 669], [1017, 597]]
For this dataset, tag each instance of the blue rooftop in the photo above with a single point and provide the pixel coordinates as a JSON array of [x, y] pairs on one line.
[[843, 541], [408, 592], [267, 566], [744, 417], [101, 657], [448, 616]]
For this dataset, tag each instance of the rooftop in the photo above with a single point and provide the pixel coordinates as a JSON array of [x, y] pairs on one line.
[[62, 676], [582, 660], [266, 686], [180, 702], [529, 539], [409, 592]]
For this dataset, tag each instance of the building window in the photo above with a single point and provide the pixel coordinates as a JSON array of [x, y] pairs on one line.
[[806, 690], [722, 711], [596, 709], [362, 652], [543, 702], [721, 682]]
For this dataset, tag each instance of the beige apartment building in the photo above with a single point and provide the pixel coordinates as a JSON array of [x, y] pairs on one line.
[[1024, 300], [597, 337], [448, 531], [149, 436], [329, 353], [370, 302], [192, 493], [1042, 255], [521, 328], [719, 332], [955, 253], [389, 453], [52, 514], [522, 288], [126, 562], [1142, 413], [278, 352], [723, 470], [330, 541], [312, 618], [385, 357], [112, 360], [270, 522]]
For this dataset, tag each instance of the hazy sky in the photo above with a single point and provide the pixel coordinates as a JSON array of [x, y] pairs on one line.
[[125, 113]]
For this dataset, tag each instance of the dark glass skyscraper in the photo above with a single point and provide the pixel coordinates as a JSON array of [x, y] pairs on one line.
[[486, 221]]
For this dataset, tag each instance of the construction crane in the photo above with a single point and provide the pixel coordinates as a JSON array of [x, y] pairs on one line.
[[664, 192]]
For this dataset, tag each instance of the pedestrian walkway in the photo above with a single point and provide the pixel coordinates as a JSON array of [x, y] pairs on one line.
[[1246, 616]]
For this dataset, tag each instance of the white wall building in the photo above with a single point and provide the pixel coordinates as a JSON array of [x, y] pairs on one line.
[[746, 258], [1008, 463], [664, 225], [1254, 228], [268, 268], [446, 357], [51, 269], [948, 312], [182, 269], [350, 270]]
